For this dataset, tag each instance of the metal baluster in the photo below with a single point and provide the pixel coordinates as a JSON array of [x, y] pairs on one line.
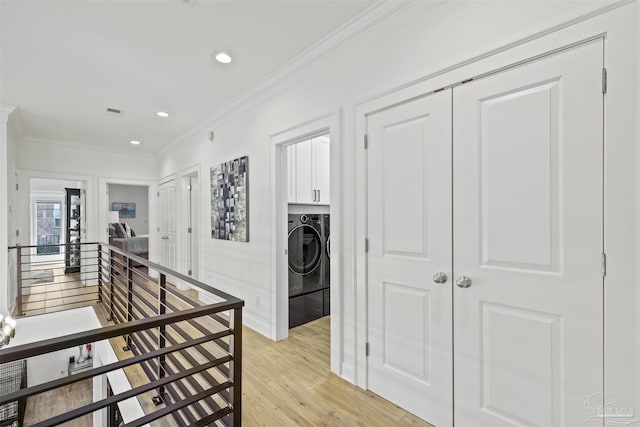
[[99, 272], [235, 349], [162, 309], [111, 279], [19, 278], [127, 347]]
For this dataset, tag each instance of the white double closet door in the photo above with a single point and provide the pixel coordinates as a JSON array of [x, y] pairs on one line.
[[498, 184]]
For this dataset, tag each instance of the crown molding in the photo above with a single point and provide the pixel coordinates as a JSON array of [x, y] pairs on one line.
[[87, 147], [615, 4], [7, 109], [17, 122], [371, 18]]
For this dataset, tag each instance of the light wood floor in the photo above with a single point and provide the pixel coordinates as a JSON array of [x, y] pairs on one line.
[[289, 383], [55, 402]]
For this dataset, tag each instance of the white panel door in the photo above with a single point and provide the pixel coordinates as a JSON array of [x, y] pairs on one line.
[[167, 220], [409, 229], [528, 232]]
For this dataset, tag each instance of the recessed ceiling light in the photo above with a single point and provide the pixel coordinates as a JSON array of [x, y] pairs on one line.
[[162, 114], [134, 142], [223, 57]]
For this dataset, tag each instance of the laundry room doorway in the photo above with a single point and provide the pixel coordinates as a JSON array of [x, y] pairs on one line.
[[306, 284], [308, 229]]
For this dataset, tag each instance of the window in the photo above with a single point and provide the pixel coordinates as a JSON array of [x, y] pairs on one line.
[[48, 227]]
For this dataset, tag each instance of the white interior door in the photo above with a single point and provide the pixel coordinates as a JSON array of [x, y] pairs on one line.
[[193, 230], [528, 232], [167, 224], [409, 229]]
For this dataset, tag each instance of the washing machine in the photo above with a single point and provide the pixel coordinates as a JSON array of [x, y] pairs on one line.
[[306, 268]]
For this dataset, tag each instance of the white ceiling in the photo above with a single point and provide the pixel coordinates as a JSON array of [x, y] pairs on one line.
[[64, 62]]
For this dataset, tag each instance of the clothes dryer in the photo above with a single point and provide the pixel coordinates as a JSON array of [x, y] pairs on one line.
[[306, 274]]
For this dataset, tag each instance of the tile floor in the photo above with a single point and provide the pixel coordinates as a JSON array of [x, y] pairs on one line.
[[63, 293]]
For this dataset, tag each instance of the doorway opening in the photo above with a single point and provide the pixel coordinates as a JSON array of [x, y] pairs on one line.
[[308, 229], [52, 269], [49, 218], [292, 152], [130, 205], [167, 227], [190, 215], [128, 218]]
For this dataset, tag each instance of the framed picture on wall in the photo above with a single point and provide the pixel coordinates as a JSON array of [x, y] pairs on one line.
[[230, 200], [126, 209]]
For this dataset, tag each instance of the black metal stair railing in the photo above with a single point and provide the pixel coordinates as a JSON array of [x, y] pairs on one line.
[[190, 352]]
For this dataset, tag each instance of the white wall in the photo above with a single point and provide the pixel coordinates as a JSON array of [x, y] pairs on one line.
[[637, 234], [41, 159], [4, 205], [135, 194], [81, 160], [8, 136], [426, 42], [12, 168]]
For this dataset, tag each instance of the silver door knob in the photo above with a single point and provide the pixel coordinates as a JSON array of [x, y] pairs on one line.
[[440, 277], [463, 281]]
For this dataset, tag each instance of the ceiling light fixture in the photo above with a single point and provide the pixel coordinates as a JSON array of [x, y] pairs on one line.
[[7, 329], [134, 142], [162, 114], [223, 57]]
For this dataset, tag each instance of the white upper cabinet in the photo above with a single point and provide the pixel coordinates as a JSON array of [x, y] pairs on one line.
[[308, 171], [321, 160], [303, 176], [291, 173]]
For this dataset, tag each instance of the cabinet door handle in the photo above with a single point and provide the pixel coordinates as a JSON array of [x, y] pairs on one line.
[[318, 195], [314, 195]]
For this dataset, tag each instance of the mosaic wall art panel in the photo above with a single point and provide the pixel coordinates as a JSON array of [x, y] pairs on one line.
[[230, 200]]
